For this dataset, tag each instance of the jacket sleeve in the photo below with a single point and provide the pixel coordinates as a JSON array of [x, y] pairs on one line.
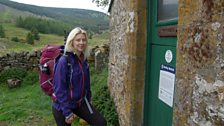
[[61, 86], [88, 95]]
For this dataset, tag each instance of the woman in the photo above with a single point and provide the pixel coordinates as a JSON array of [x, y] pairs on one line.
[[72, 84]]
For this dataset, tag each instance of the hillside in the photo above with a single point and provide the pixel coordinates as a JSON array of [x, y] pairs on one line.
[[9, 15], [91, 20], [7, 45]]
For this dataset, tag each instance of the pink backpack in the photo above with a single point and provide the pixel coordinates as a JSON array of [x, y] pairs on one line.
[[49, 57]]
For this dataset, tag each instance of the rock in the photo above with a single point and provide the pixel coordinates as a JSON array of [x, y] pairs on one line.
[[13, 83], [82, 122]]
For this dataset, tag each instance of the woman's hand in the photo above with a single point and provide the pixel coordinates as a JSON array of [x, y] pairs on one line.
[[70, 119]]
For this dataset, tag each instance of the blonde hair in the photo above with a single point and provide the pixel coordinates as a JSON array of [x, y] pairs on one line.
[[71, 36]]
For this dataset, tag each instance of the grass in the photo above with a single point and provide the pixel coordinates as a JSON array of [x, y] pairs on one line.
[[25, 106], [99, 39], [28, 105]]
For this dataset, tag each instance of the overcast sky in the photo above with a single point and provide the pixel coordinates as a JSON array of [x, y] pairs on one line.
[[82, 4]]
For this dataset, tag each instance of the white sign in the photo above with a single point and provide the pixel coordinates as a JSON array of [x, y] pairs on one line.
[[168, 56], [166, 84]]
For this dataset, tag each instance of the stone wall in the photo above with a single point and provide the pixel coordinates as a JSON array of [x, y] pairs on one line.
[[26, 60], [199, 96], [99, 55], [127, 59], [30, 60]]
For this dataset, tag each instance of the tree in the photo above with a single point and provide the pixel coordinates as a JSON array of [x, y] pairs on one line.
[[102, 3], [15, 39], [19, 21], [2, 32], [30, 38], [35, 33], [42, 25], [90, 35]]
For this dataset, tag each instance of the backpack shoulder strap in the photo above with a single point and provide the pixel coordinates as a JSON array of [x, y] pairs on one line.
[[66, 55]]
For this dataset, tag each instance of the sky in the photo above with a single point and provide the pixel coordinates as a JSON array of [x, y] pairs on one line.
[[81, 4]]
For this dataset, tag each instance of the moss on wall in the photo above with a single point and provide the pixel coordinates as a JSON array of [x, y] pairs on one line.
[[199, 75], [127, 59]]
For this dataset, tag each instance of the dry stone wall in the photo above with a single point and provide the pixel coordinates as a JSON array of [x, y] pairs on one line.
[[26, 60], [30, 60]]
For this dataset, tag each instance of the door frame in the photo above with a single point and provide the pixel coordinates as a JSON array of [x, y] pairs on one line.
[[151, 22]]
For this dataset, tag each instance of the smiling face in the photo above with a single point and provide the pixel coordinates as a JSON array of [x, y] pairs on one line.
[[79, 43]]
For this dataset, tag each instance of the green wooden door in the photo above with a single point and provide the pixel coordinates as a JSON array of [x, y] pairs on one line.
[[160, 63]]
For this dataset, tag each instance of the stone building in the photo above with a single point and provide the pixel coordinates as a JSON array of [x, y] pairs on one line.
[[166, 62]]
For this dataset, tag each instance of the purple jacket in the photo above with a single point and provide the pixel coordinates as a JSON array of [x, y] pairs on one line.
[[70, 90]]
